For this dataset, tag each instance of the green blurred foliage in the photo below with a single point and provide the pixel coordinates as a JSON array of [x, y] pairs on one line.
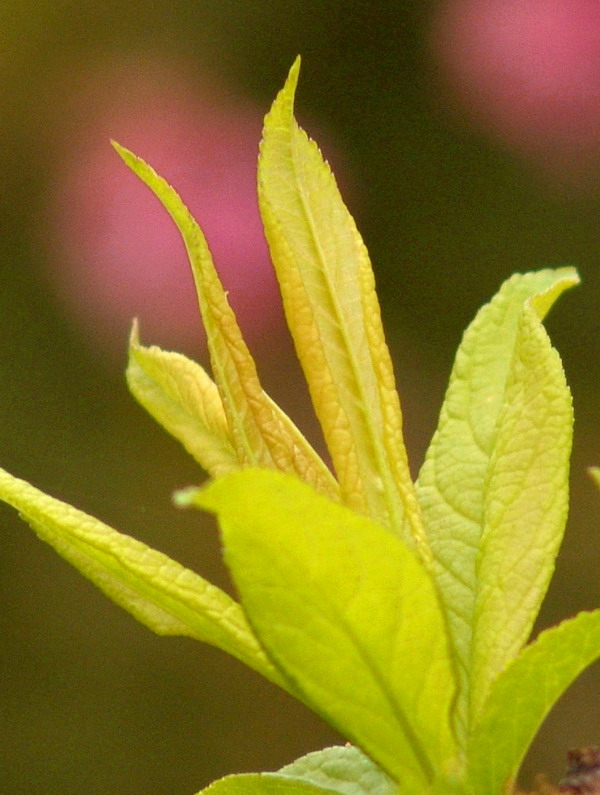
[[90, 701]]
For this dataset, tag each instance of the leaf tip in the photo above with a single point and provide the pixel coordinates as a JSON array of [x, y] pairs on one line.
[[295, 69], [134, 334], [285, 99], [135, 163], [120, 150]]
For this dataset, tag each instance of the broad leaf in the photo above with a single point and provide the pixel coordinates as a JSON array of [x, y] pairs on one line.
[[182, 397], [493, 488], [347, 612], [157, 591], [262, 784], [255, 427], [329, 297], [523, 695], [344, 769]]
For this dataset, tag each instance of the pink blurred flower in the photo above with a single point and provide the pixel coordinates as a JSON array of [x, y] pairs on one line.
[[529, 72], [115, 254]]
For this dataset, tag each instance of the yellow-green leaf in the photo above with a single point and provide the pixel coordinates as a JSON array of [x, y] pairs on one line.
[[182, 397], [526, 500], [263, 784], [332, 310], [257, 432], [343, 768], [523, 695], [157, 591], [347, 612], [494, 479]]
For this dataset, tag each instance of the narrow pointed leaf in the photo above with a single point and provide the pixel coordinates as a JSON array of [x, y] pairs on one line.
[[157, 591], [344, 769], [182, 397], [346, 611], [594, 473], [332, 310], [262, 784], [256, 430], [523, 695], [486, 401]]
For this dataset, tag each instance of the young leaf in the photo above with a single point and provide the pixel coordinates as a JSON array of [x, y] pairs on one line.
[[493, 486], [256, 431], [329, 297], [181, 396], [157, 591], [262, 784], [526, 500], [523, 695], [344, 769], [346, 611]]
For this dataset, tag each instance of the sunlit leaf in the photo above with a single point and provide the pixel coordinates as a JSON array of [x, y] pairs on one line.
[[157, 591], [493, 485], [332, 310], [262, 784], [346, 611], [182, 397], [523, 695], [257, 432], [526, 501], [344, 769]]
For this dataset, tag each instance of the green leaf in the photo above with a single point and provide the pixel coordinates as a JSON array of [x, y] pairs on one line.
[[343, 769], [332, 310], [523, 695], [262, 784], [157, 591], [526, 501], [182, 397], [256, 429], [493, 488], [347, 612]]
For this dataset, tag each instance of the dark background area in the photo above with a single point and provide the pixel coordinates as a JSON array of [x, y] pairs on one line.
[[91, 702]]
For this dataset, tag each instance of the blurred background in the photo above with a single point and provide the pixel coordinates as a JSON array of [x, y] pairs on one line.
[[466, 138]]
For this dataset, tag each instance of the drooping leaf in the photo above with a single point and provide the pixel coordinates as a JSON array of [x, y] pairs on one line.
[[347, 612], [262, 784], [332, 310], [182, 397], [523, 695], [344, 769], [507, 410], [157, 591], [256, 430]]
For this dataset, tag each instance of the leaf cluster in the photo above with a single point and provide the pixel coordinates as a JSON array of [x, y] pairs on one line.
[[399, 611]]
